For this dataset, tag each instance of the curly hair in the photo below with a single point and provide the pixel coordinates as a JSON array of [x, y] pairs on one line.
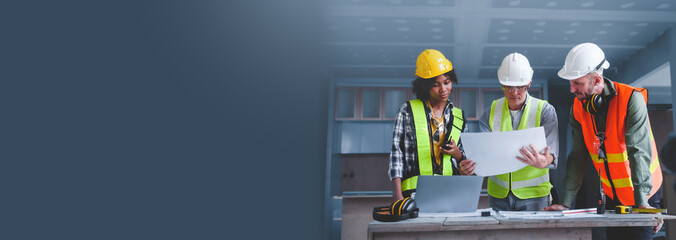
[[421, 86]]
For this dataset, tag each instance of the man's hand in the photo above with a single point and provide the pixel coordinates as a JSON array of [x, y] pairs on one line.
[[467, 167], [556, 207], [659, 225], [453, 150], [659, 220], [534, 158]]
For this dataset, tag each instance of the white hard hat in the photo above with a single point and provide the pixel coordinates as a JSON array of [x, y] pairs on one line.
[[582, 60], [515, 70]]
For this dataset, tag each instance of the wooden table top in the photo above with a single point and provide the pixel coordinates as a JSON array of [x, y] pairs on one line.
[[499, 222]]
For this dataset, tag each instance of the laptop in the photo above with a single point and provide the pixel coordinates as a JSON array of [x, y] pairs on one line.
[[448, 194]]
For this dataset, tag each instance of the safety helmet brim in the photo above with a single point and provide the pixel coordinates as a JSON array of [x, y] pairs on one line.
[[568, 75], [572, 75], [514, 84]]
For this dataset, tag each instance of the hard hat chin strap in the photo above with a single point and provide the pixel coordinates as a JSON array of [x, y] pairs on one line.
[[600, 64]]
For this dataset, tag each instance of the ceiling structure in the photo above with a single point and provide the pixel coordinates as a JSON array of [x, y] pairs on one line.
[[382, 38]]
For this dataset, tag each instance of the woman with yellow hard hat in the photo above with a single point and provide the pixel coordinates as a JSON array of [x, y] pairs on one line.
[[426, 138]]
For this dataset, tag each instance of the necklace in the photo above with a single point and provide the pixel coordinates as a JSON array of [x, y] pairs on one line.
[[432, 110], [440, 130]]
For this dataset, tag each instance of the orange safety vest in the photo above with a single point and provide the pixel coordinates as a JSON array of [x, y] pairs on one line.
[[616, 148]]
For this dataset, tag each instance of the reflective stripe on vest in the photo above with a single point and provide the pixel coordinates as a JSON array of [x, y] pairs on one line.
[[527, 182], [424, 146], [616, 148]]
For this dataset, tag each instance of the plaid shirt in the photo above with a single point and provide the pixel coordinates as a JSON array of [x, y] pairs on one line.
[[403, 155]]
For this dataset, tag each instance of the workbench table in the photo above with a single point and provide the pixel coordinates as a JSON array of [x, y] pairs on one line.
[[498, 227]]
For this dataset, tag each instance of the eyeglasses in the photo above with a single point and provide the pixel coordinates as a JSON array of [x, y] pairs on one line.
[[514, 88]]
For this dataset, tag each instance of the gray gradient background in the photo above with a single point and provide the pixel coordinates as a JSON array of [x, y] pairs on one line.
[[161, 120]]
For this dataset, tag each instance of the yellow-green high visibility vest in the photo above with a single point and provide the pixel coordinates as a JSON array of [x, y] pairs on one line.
[[528, 182], [424, 146]]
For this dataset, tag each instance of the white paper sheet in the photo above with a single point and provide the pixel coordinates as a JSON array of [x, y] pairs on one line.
[[530, 214], [495, 152], [544, 214]]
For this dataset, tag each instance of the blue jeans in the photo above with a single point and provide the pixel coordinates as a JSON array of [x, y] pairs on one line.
[[632, 232], [513, 203]]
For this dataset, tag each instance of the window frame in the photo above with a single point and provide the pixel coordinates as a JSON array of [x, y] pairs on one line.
[[383, 90], [457, 99], [359, 102], [409, 95], [355, 111]]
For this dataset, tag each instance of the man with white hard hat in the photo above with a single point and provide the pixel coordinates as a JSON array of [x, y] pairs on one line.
[[610, 127], [527, 189]]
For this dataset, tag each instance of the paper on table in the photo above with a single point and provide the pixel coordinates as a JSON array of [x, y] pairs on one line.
[[530, 214], [581, 213], [544, 214], [495, 152]]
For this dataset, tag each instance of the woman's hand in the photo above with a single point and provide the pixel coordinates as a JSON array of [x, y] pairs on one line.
[[451, 149]]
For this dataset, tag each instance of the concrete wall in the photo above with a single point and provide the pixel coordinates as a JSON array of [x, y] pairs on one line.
[[652, 56]]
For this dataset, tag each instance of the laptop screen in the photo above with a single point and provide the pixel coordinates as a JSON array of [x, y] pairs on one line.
[[448, 194]]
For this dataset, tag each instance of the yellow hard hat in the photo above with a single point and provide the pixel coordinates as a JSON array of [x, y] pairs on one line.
[[432, 63]]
